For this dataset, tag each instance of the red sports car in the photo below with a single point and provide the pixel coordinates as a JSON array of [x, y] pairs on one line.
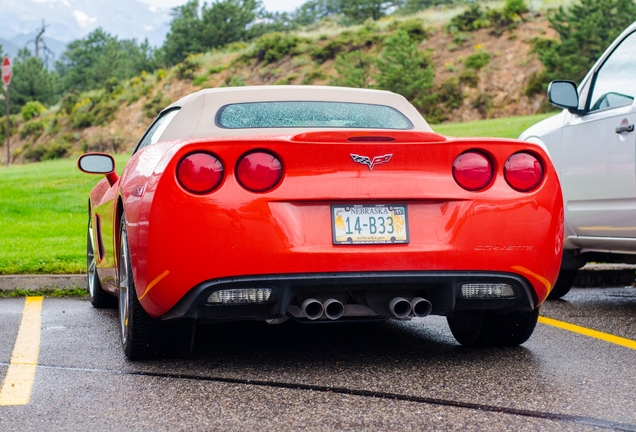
[[319, 204]]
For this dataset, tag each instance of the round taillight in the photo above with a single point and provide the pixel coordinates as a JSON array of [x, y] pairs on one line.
[[523, 172], [259, 171], [472, 170], [200, 173]]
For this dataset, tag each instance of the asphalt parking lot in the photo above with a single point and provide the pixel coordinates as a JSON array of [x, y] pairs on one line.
[[383, 376]]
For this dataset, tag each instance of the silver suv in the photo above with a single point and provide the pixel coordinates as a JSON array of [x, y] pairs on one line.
[[592, 144]]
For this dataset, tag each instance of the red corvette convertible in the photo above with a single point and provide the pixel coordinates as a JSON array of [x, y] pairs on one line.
[[319, 204]]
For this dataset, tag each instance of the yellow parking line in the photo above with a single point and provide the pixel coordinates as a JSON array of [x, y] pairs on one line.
[[589, 332], [16, 388]]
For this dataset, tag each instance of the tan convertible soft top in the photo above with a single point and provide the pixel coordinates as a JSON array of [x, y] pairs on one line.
[[196, 118]]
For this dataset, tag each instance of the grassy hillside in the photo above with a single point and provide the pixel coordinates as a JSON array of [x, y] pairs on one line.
[[480, 74]]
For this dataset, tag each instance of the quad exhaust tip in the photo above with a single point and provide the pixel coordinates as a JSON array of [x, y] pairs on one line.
[[421, 307], [312, 308], [334, 309], [400, 307]]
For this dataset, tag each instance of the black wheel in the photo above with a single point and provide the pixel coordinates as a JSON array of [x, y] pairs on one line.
[[563, 284], [98, 297], [488, 328], [142, 336]]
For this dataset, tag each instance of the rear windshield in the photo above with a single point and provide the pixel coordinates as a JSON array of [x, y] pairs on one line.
[[310, 114]]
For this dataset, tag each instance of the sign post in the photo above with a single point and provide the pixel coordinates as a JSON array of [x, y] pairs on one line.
[[6, 79]]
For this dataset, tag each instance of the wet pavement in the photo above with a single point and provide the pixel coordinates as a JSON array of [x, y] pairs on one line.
[[394, 375]]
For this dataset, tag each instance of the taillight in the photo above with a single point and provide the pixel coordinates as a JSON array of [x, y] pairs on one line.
[[200, 173], [259, 171], [472, 170], [523, 172]]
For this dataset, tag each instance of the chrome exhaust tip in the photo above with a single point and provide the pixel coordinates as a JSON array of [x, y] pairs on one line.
[[312, 308], [400, 307], [421, 307], [333, 308]]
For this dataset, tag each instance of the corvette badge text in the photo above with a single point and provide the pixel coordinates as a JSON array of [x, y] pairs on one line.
[[503, 248]]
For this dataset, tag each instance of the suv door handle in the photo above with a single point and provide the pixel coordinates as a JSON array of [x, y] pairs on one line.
[[628, 128]]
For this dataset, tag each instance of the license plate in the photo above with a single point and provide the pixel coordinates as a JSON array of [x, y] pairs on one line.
[[369, 224]]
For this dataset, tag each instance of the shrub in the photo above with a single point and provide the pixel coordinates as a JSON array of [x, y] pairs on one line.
[[154, 105], [353, 70], [329, 50], [473, 18], [537, 84], [69, 100], [32, 109], [216, 69], [185, 69], [315, 74], [104, 110], [469, 77], [483, 104], [32, 128], [450, 94], [81, 115], [346, 41], [200, 80], [477, 61], [460, 37], [42, 152], [274, 46], [414, 29], [233, 81], [113, 86]]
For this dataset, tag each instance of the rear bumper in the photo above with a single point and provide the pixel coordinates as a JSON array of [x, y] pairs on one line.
[[441, 289]]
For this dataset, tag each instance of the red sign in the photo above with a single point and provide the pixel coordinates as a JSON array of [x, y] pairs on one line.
[[6, 71]]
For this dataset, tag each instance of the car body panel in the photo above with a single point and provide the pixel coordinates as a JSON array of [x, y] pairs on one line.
[[182, 244], [289, 229]]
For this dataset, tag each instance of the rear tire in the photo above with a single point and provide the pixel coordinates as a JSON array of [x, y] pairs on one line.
[[143, 337], [488, 328], [563, 284], [99, 298]]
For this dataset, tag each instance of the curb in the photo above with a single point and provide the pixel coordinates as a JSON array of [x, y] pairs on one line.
[[42, 282], [600, 275]]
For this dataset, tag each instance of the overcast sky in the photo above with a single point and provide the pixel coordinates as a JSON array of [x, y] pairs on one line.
[[270, 5]]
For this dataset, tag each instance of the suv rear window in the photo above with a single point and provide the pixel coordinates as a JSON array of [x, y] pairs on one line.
[[310, 114]]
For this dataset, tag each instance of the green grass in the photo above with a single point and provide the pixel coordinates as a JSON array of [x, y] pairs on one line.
[[43, 206], [43, 217], [76, 292], [510, 127]]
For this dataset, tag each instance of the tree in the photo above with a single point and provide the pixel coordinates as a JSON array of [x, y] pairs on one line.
[[585, 30], [315, 10], [89, 62], [413, 6], [219, 23], [31, 81], [406, 70], [360, 10], [353, 70]]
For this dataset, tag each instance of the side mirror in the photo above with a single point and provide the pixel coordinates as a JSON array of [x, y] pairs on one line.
[[98, 163], [563, 94]]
